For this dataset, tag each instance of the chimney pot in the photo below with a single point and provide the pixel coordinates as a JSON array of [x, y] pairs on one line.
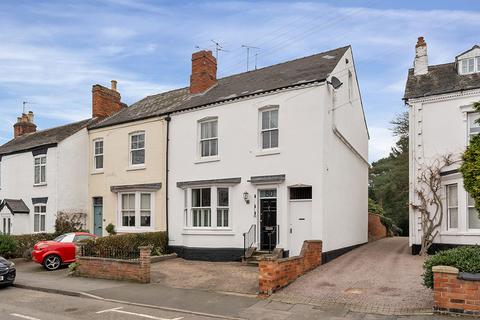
[[114, 85], [420, 64], [24, 125], [204, 71]]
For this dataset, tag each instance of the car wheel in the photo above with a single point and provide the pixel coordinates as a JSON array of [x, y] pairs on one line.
[[52, 262]]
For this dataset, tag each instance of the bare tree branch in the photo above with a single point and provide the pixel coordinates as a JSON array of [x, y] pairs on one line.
[[430, 204]]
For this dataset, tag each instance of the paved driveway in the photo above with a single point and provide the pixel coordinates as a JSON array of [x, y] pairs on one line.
[[380, 277], [214, 276]]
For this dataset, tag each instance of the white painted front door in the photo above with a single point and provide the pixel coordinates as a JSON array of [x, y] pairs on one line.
[[300, 224]]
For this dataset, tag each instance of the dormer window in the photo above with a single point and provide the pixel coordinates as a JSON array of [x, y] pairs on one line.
[[469, 65]]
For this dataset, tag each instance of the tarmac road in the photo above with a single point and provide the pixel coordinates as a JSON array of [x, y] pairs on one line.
[[18, 304]]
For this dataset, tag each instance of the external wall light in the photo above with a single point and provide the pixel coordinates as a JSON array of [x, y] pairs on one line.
[[246, 198]]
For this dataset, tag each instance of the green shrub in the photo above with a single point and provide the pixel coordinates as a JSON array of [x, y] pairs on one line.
[[26, 242], [465, 259], [8, 246], [111, 229], [118, 246], [470, 167]]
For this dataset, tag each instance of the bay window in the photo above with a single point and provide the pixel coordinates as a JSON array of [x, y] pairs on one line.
[[452, 206], [207, 207], [136, 210], [201, 207], [473, 219], [222, 207]]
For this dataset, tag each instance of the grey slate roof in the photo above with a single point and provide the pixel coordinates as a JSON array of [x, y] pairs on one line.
[[16, 206], [42, 138], [440, 79], [315, 68]]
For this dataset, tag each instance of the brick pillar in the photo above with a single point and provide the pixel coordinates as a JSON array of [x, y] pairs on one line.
[[455, 292], [78, 250], [145, 261], [267, 275]]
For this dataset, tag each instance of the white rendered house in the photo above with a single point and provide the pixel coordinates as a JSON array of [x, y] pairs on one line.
[[267, 158], [440, 100], [44, 173]]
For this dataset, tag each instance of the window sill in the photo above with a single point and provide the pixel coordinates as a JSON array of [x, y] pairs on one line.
[[207, 159], [267, 152], [475, 232], [209, 231], [40, 185], [97, 172], [134, 168], [134, 229]]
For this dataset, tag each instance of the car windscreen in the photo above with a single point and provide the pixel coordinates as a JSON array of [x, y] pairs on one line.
[[60, 238]]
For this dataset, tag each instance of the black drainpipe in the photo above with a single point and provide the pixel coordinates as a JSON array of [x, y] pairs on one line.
[[167, 119]]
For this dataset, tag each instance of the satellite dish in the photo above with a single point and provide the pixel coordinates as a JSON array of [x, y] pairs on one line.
[[335, 83]]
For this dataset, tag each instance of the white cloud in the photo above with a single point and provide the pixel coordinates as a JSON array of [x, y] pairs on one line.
[[67, 46]]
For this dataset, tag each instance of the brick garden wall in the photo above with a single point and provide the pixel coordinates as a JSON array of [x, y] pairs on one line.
[[278, 273], [452, 294], [115, 269], [376, 230]]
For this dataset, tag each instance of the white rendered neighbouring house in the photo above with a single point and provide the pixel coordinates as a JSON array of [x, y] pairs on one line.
[[44, 173], [267, 158], [440, 99]]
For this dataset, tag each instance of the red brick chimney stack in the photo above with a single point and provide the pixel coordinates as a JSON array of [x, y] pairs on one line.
[[105, 101], [204, 71], [24, 125]]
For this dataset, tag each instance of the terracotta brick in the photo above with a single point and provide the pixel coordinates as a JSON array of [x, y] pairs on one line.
[[454, 295], [105, 101], [282, 272]]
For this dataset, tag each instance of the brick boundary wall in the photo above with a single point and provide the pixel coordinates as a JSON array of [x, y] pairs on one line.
[[376, 229], [275, 273], [115, 269], [453, 293]]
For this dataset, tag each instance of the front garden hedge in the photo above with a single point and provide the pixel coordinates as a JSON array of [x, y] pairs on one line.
[[122, 245], [21, 246], [465, 259], [8, 246]]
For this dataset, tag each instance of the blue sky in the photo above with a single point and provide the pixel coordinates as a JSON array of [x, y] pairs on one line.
[[51, 52]]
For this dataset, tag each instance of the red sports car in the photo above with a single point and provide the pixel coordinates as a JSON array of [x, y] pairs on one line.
[[61, 250]]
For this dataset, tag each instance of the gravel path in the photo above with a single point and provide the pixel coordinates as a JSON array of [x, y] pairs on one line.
[[381, 276], [214, 276]]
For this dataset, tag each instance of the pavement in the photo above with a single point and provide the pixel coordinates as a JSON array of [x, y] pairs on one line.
[[377, 281], [18, 304], [379, 277]]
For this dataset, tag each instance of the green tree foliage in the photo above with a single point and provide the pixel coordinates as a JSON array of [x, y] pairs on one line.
[[471, 166], [388, 178], [374, 207]]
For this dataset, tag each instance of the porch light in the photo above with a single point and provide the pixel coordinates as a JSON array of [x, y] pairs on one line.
[[245, 197]]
